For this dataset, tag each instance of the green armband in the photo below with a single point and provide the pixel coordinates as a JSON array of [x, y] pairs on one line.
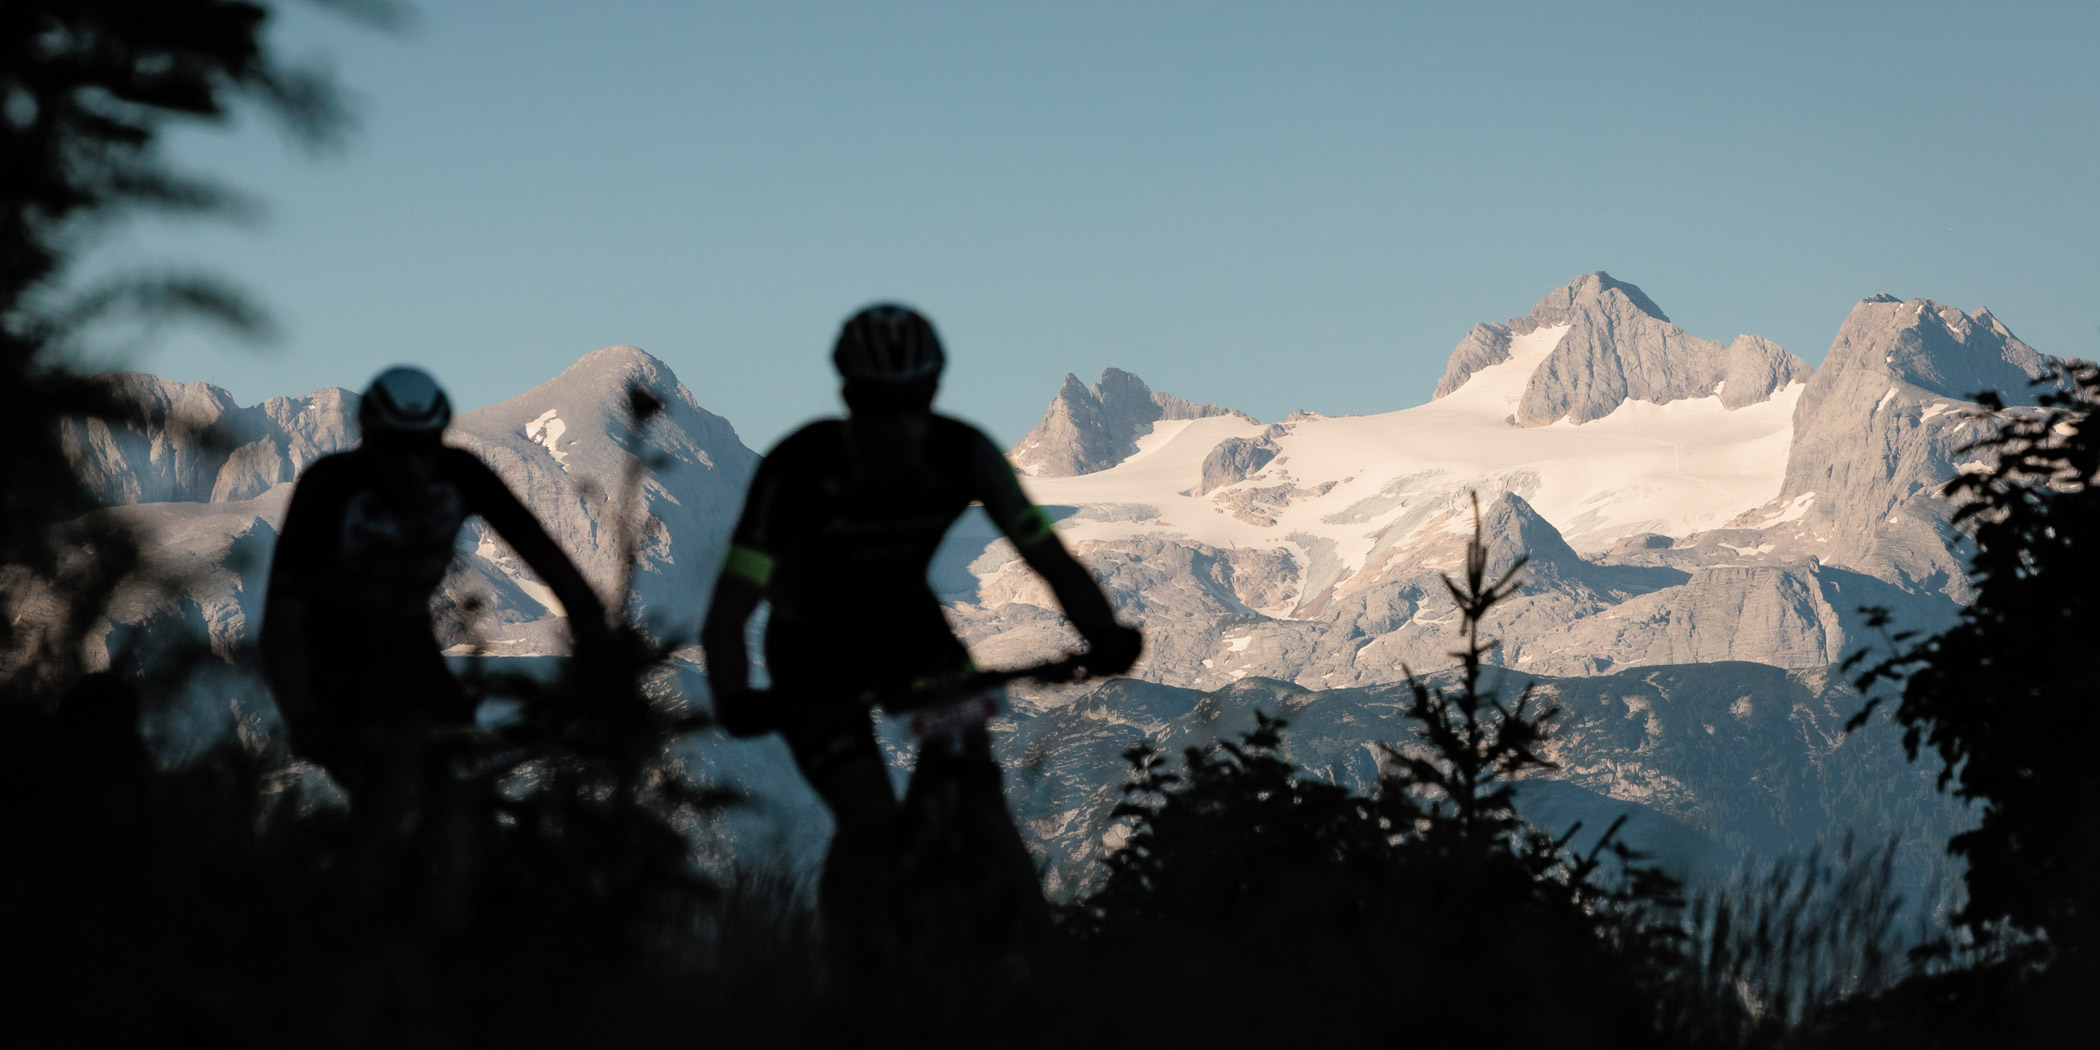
[[1031, 527], [749, 564]]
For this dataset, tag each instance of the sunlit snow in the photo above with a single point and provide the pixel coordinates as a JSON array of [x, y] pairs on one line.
[[1674, 469], [1795, 509], [547, 430]]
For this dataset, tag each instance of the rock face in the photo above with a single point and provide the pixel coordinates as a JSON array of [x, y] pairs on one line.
[[1234, 460], [1879, 430], [565, 448], [1802, 617], [189, 442], [1620, 347], [1089, 430]]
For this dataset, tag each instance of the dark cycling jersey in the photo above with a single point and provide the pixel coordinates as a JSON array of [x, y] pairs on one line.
[[842, 550], [364, 546], [361, 539]]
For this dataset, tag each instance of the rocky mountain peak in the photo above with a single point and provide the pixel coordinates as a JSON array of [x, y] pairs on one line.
[[1882, 424], [1089, 429], [192, 443], [1619, 347], [1510, 526], [1597, 290], [608, 372], [583, 413], [1934, 346]]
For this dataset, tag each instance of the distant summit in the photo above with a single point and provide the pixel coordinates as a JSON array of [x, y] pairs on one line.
[[565, 447], [1619, 347], [1561, 305], [190, 443], [1881, 425], [1086, 430], [1935, 347]]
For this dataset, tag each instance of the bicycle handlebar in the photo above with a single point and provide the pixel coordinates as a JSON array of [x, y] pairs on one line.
[[509, 744], [933, 689]]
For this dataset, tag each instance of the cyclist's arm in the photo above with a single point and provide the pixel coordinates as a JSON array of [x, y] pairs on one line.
[[1078, 593], [722, 636], [741, 586], [498, 506], [1029, 529], [301, 545]]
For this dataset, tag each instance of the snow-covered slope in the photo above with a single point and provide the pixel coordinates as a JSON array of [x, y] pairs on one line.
[[1311, 550], [1620, 347], [1350, 485]]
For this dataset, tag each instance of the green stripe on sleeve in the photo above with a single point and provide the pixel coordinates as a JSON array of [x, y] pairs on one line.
[[1029, 528], [748, 563]]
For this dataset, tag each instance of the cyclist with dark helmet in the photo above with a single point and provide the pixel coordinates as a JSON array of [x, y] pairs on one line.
[[837, 535], [347, 640]]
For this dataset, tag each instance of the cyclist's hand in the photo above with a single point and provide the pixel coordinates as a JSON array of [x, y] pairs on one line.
[[744, 712], [1113, 651]]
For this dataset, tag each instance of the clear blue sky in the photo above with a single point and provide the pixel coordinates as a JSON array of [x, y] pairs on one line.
[[1271, 206]]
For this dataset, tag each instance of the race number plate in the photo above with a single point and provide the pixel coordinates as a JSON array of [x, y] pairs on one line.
[[965, 712]]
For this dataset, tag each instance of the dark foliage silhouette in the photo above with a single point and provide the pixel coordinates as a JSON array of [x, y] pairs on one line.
[[213, 903], [88, 90], [1431, 900], [2005, 697], [1772, 956]]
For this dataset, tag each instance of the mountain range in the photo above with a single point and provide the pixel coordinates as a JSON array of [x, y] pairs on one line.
[[1703, 523]]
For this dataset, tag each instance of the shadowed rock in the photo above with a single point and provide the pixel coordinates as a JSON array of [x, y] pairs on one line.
[[1234, 460]]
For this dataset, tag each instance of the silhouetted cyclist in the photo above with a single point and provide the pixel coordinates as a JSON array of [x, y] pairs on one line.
[[837, 533], [347, 639]]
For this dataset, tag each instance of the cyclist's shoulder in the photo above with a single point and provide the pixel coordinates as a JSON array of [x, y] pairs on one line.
[[460, 463], [332, 472], [951, 432], [816, 442], [968, 450]]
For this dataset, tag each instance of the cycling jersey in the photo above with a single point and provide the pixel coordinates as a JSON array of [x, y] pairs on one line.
[[364, 546], [841, 548], [837, 534], [362, 538]]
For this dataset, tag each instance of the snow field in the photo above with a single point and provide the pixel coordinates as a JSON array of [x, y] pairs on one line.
[[1672, 468]]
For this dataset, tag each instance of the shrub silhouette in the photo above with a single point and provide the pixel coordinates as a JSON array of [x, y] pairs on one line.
[[1772, 955], [1430, 905], [2005, 697], [202, 905]]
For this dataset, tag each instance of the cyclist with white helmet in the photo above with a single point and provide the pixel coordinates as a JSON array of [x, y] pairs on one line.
[[347, 639], [837, 534]]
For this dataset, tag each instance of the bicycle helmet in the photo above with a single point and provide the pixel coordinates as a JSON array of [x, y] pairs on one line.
[[404, 400], [888, 344]]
